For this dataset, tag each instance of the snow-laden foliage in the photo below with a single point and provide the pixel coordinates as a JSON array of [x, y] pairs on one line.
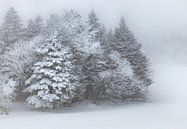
[[123, 65], [2, 47], [94, 27], [130, 49], [86, 44], [91, 58], [68, 25], [11, 30], [16, 65], [53, 82], [72, 61], [122, 83], [90, 37], [34, 27], [52, 24]]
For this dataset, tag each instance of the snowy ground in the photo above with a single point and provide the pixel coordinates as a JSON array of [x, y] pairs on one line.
[[167, 109]]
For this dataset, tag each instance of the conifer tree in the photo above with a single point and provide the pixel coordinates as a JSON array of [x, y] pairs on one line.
[[94, 27], [52, 24], [34, 27], [53, 82], [71, 25], [73, 61], [126, 44], [93, 60], [11, 30]]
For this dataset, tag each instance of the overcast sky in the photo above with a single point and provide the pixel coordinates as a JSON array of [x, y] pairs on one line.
[[144, 17], [139, 13]]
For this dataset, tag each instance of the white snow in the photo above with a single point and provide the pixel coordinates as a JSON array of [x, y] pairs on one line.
[[167, 109], [123, 65]]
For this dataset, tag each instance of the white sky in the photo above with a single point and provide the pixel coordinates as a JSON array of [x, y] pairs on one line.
[[140, 13], [144, 17]]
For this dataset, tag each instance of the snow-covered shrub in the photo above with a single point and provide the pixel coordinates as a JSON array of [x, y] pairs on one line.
[[123, 88], [16, 65], [120, 82], [4, 110]]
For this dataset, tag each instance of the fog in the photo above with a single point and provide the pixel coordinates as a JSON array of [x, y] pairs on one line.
[[160, 25]]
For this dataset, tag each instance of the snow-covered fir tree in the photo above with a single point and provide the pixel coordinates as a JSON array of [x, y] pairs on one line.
[[71, 26], [52, 24], [94, 27], [11, 30], [53, 82], [34, 27], [92, 59], [126, 44], [68, 25]]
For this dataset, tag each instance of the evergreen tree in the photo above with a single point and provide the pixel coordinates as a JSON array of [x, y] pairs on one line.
[[11, 29], [107, 40], [71, 26], [94, 27], [130, 49], [53, 82], [52, 24], [74, 61], [34, 27], [92, 59]]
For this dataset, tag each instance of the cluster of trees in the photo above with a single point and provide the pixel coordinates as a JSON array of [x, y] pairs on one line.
[[67, 60]]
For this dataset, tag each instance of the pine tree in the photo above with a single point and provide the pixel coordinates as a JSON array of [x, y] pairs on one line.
[[74, 61], [53, 82], [92, 59], [130, 49], [34, 27], [71, 26], [11, 29], [94, 27], [52, 24], [107, 40]]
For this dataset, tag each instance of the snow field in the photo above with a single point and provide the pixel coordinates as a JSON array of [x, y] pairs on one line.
[[165, 110]]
